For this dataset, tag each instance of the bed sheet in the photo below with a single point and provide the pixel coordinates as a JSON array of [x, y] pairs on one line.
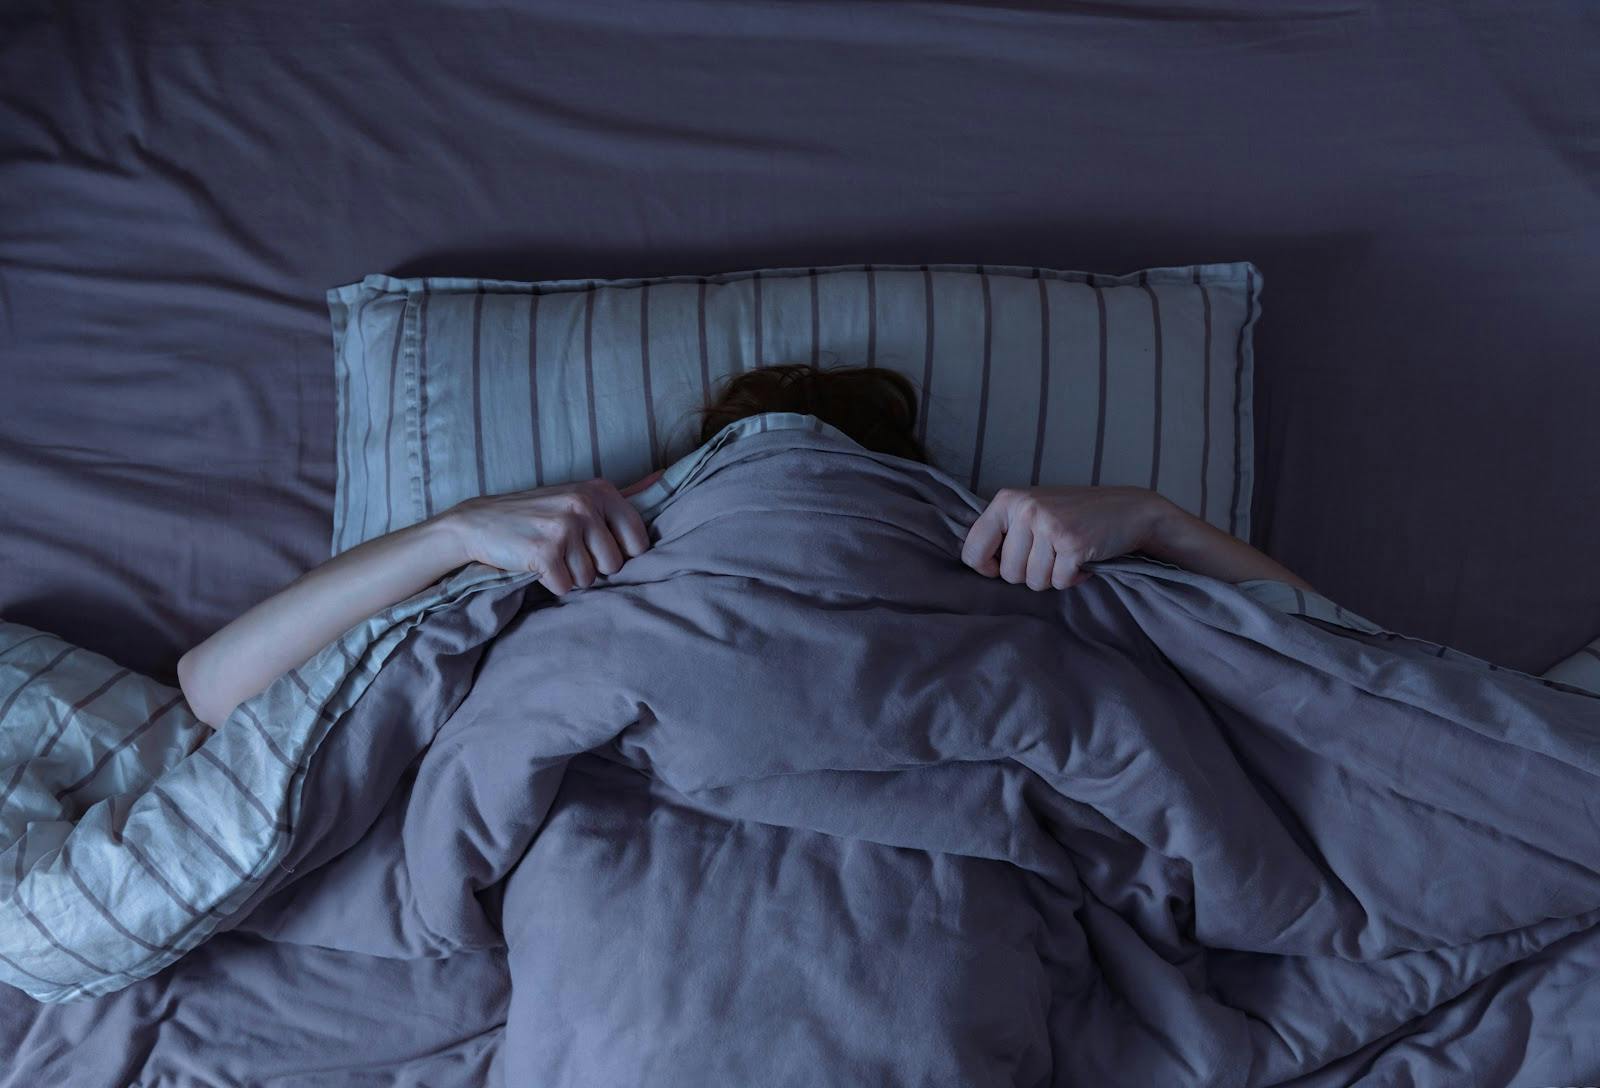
[[1420, 183]]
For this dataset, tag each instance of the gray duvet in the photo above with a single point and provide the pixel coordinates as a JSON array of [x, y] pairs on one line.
[[798, 799]]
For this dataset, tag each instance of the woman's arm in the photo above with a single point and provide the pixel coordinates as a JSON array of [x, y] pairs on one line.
[[284, 630], [1043, 536], [568, 533], [1186, 541]]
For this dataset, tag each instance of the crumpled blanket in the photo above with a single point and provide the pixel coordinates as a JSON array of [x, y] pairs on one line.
[[796, 798]]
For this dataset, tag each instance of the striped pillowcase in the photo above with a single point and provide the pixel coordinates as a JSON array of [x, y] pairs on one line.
[[130, 831], [99, 729], [452, 388], [1581, 670]]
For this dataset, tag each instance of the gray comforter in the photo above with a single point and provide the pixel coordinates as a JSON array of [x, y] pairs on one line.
[[796, 798]]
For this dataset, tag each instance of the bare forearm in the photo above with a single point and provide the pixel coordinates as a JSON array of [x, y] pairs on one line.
[[286, 629], [1186, 541]]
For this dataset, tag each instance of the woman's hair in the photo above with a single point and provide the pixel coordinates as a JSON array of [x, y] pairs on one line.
[[874, 406]]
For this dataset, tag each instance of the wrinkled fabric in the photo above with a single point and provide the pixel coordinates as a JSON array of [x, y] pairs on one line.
[[109, 878], [797, 798], [1418, 182], [885, 814]]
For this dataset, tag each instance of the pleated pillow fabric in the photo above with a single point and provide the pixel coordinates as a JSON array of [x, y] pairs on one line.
[[451, 388], [1581, 670]]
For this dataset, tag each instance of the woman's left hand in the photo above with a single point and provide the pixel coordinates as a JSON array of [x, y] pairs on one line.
[[1044, 535]]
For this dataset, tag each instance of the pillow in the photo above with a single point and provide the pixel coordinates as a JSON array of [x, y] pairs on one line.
[[451, 388], [130, 831], [1581, 670], [109, 731]]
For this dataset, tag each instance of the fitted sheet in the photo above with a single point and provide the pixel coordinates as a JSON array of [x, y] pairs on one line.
[[179, 184]]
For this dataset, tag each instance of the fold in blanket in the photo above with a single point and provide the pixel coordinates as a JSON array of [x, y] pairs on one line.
[[797, 798]]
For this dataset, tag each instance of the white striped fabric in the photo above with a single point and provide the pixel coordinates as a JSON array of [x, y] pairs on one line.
[[451, 388], [1581, 670], [129, 830], [1300, 602]]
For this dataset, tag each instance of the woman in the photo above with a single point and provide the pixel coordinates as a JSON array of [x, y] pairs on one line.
[[574, 533]]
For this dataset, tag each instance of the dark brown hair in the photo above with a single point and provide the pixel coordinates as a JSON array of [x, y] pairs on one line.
[[874, 406]]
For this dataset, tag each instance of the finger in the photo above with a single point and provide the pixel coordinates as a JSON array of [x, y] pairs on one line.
[[1061, 574], [554, 575], [581, 566], [627, 527], [1014, 552], [639, 485], [603, 548], [1081, 577], [983, 539], [1041, 560]]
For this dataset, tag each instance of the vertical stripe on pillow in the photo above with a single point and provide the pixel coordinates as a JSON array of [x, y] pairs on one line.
[[1205, 403], [422, 404], [363, 456], [1156, 365], [1238, 398], [872, 317], [644, 366], [816, 319], [361, 450], [342, 454], [755, 317], [392, 409], [1100, 412], [588, 379], [533, 389], [477, 389], [1044, 376], [705, 358], [983, 381], [927, 362]]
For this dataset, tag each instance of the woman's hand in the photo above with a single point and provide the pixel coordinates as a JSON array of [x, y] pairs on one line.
[[1044, 535], [570, 533]]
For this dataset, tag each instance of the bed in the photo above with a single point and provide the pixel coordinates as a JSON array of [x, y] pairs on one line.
[[180, 183]]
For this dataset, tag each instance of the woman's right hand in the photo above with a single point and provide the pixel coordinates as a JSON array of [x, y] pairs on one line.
[[569, 533]]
